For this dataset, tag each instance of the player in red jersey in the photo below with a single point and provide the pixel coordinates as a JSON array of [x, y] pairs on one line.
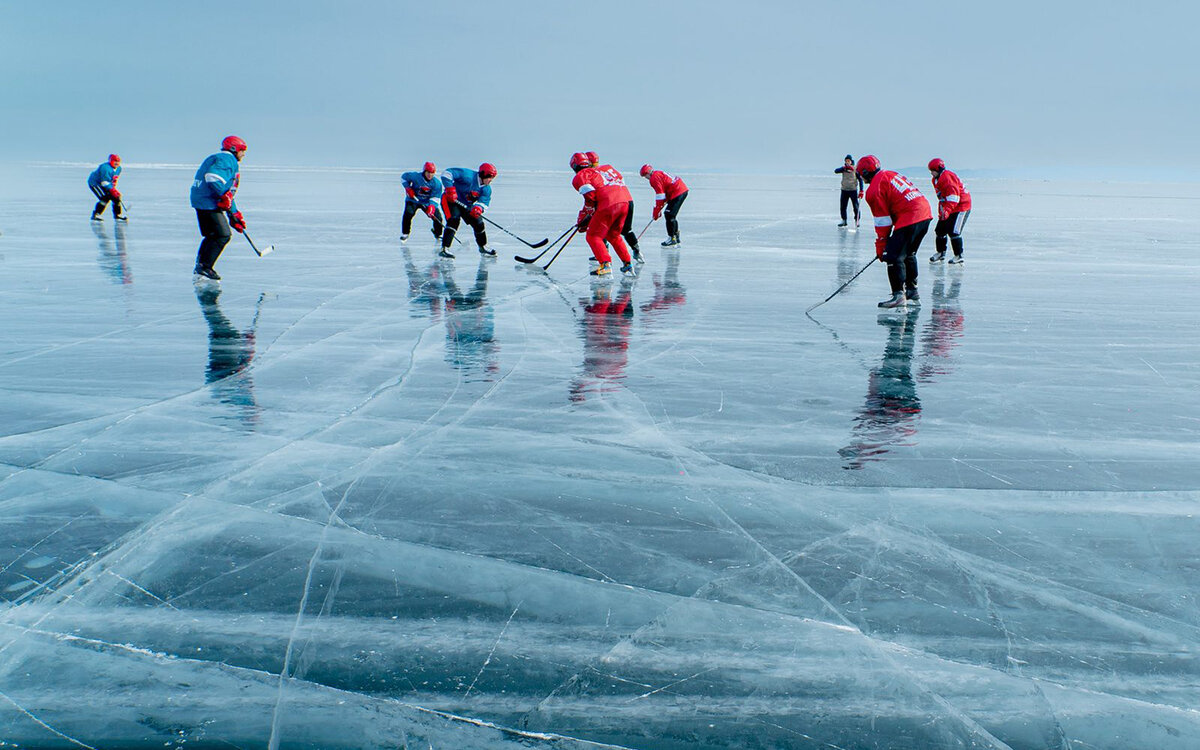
[[902, 218], [669, 194], [954, 206], [631, 239], [605, 203]]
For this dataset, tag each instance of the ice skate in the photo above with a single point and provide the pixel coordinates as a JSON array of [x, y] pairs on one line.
[[96, 217], [937, 257], [956, 260], [842, 224], [895, 302], [404, 238], [484, 250], [637, 256], [912, 296], [444, 253], [604, 269], [206, 272], [627, 269], [672, 242]]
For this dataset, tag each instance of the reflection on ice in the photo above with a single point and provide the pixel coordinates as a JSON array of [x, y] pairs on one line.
[[367, 498], [230, 352], [892, 409], [470, 326], [605, 326], [114, 259]]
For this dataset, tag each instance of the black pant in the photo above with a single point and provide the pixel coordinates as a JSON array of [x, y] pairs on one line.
[[104, 198], [848, 196], [457, 214], [951, 226], [410, 210], [627, 230], [214, 227], [671, 211], [900, 254]]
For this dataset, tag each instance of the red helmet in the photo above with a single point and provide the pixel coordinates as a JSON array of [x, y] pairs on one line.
[[114, 160], [580, 161], [429, 167], [867, 165], [487, 170], [233, 144], [646, 170], [936, 165], [593, 159]]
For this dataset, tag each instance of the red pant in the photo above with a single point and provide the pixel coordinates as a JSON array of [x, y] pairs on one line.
[[605, 226]]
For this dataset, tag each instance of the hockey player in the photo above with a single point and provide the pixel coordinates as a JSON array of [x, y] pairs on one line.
[[606, 201], [467, 194], [902, 218], [852, 188], [213, 189], [954, 206], [422, 190], [627, 233], [669, 193], [103, 182]]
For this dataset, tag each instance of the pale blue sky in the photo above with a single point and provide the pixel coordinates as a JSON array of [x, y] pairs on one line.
[[748, 85]]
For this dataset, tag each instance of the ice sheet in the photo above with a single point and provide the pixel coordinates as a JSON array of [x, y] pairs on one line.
[[355, 496]]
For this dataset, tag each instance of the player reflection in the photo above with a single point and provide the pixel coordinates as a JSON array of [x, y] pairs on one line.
[[113, 259], [606, 323], [470, 327], [889, 417], [230, 353], [668, 292], [943, 331], [424, 288]]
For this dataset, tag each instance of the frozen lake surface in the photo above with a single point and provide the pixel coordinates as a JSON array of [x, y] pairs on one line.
[[357, 497]]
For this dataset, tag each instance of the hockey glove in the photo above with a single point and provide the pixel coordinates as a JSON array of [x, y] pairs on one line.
[[860, 195], [237, 221], [431, 211], [880, 244], [451, 195], [412, 194], [225, 202], [476, 211], [585, 216], [116, 194]]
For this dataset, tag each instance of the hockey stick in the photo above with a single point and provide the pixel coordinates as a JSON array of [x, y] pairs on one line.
[[843, 286], [647, 227], [260, 253], [535, 246], [537, 257], [564, 247], [445, 226]]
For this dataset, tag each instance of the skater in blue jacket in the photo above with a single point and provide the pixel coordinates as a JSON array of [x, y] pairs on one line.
[[422, 191], [467, 195], [103, 182], [213, 189]]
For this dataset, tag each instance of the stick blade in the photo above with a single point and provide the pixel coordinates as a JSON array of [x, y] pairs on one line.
[[541, 244], [265, 251]]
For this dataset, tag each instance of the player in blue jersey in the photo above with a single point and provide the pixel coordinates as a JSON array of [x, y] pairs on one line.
[[212, 194], [422, 191], [103, 182], [466, 196]]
